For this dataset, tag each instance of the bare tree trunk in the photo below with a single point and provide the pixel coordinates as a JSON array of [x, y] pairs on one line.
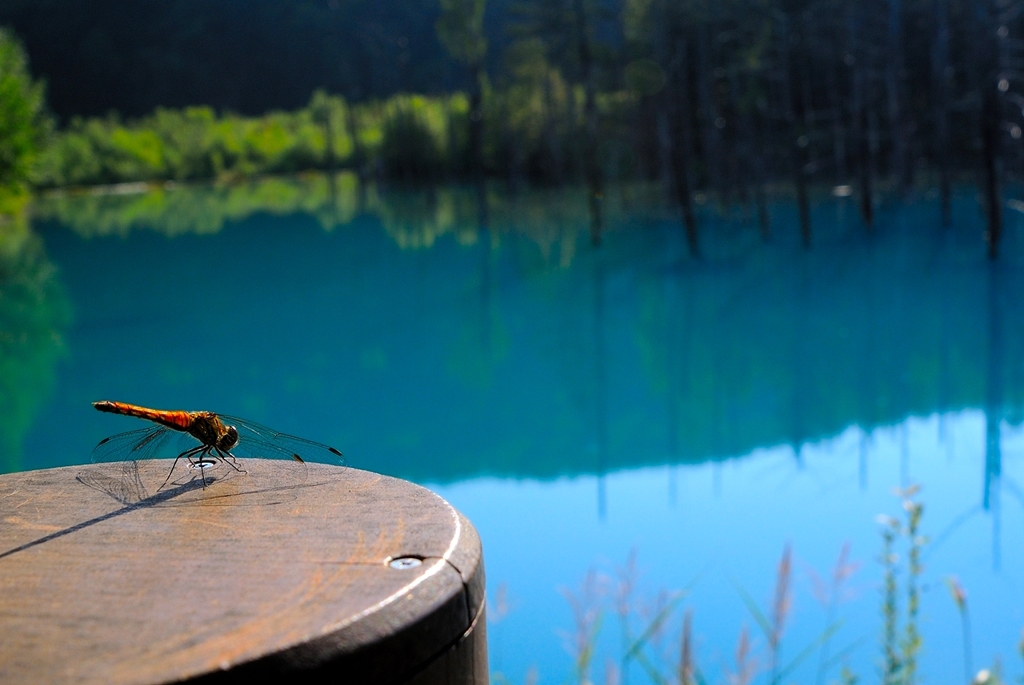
[[805, 102], [874, 140], [329, 140], [743, 157], [894, 93], [680, 134], [737, 146], [674, 115], [758, 172], [990, 163], [806, 95], [710, 140], [990, 63], [865, 162], [838, 122], [592, 168], [515, 174], [762, 212], [867, 206], [358, 153], [476, 123], [664, 153], [551, 133], [940, 105], [798, 138], [759, 144]]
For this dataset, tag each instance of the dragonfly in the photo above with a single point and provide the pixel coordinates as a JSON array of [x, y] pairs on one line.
[[208, 447]]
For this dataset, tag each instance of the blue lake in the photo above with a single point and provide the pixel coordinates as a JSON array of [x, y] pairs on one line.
[[583, 406]]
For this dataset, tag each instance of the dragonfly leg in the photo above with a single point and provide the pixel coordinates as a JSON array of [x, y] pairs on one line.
[[202, 470], [187, 454], [230, 460]]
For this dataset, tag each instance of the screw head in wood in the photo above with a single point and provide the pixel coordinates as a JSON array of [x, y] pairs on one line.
[[403, 563]]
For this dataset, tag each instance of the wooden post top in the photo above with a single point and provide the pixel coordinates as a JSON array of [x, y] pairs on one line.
[[342, 574]]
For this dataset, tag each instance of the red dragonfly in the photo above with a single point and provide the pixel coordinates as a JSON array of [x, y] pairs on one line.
[[222, 440]]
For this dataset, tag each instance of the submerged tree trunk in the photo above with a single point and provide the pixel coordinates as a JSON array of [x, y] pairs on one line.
[[681, 139], [591, 165]]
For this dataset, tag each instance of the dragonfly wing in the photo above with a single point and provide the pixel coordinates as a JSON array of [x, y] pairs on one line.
[[145, 443], [126, 487], [255, 440]]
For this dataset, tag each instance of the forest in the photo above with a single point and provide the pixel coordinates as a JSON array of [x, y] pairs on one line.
[[744, 100]]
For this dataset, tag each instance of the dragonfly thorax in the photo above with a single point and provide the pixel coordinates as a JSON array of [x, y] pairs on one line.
[[208, 429], [228, 439]]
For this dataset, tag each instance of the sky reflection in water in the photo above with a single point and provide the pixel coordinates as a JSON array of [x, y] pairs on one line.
[[580, 403]]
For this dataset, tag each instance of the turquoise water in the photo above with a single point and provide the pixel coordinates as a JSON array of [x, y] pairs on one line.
[[580, 405]]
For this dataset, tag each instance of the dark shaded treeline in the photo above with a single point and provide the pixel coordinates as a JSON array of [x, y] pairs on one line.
[[723, 97], [729, 97], [543, 356], [248, 56]]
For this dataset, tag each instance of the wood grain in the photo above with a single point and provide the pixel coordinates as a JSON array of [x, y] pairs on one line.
[[242, 578]]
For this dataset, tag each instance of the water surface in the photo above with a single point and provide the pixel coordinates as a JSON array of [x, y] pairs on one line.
[[578, 404]]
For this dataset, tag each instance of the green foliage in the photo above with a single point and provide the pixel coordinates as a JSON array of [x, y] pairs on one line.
[[530, 129], [407, 137], [911, 643], [22, 123], [890, 607], [899, 662], [331, 113], [413, 138], [184, 145]]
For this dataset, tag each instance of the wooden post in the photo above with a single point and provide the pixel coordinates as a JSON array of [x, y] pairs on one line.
[[348, 576]]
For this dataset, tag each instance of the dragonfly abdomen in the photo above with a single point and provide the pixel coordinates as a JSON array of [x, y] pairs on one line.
[[178, 420]]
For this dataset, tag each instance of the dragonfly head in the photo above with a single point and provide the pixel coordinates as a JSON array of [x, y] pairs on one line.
[[228, 439]]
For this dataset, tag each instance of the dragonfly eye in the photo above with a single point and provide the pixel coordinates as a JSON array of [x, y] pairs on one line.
[[229, 439]]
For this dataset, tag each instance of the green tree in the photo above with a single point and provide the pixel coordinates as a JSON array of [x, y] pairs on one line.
[[461, 30], [332, 113], [22, 121]]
